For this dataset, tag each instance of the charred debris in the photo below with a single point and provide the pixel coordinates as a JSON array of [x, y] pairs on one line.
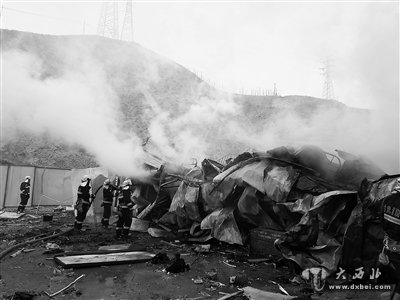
[[311, 207], [311, 211]]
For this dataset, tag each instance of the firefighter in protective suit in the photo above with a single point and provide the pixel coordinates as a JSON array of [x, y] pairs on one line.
[[108, 196], [390, 216], [125, 207], [82, 204], [25, 188]]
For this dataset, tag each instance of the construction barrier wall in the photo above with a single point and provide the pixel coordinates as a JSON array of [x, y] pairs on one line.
[[3, 184], [49, 186], [52, 187]]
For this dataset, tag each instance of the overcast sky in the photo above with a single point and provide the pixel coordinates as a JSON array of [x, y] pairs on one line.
[[251, 45]]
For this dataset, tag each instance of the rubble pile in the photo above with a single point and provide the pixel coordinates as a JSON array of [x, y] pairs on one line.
[[284, 220], [315, 202]]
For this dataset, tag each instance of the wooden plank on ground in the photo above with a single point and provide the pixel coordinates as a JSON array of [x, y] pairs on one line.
[[131, 248], [10, 215], [114, 247], [93, 260]]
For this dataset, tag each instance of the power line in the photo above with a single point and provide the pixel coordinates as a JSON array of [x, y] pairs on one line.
[[45, 16]]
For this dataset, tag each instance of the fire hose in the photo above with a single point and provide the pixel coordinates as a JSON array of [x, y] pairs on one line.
[[31, 241]]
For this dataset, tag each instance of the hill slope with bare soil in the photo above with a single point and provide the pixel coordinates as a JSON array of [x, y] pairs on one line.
[[154, 92]]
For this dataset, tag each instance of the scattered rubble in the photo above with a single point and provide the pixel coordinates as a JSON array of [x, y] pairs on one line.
[[65, 288], [23, 295], [202, 248], [178, 265], [287, 211], [198, 280], [239, 280], [212, 275], [160, 258], [17, 253], [256, 294]]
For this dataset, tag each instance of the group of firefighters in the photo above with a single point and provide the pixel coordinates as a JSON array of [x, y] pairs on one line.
[[122, 194], [390, 214]]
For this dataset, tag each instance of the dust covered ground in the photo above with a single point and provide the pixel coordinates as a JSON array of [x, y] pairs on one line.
[[35, 272]]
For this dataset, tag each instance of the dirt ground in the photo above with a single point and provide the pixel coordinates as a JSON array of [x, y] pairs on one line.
[[36, 272]]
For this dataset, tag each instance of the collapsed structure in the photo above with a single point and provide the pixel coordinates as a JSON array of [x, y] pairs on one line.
[[323, 207]]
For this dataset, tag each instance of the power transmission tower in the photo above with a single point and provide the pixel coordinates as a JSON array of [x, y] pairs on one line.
[[108, 22], [275, 93], [127, 25], [326, 71]]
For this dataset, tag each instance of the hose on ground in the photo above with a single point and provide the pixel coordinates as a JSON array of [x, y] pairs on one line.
[[31, 241]]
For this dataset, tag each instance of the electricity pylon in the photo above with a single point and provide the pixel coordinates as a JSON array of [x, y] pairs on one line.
[[326, 71], [108, 22], [127, 25]]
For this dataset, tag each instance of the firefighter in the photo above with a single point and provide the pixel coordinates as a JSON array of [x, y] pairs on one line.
[[108, 196], [125, 207], [25, 188], [83, 202], [390, 254]]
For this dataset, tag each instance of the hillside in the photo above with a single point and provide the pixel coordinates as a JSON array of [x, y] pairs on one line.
[[158, 98]]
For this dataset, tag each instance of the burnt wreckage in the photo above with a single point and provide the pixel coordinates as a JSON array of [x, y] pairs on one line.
[[319, 210]]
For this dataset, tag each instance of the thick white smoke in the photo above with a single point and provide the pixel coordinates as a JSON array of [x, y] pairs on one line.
[[76, 107], [192, 134], [80, 106]]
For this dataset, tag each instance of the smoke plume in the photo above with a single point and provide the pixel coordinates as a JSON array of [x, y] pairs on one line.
[[80, 103], [77, 107]]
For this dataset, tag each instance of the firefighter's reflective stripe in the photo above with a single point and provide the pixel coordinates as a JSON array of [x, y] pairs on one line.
[[391, 219], [107, 202], [105, 219], [126, 227], [85, 202], [79, 222]]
